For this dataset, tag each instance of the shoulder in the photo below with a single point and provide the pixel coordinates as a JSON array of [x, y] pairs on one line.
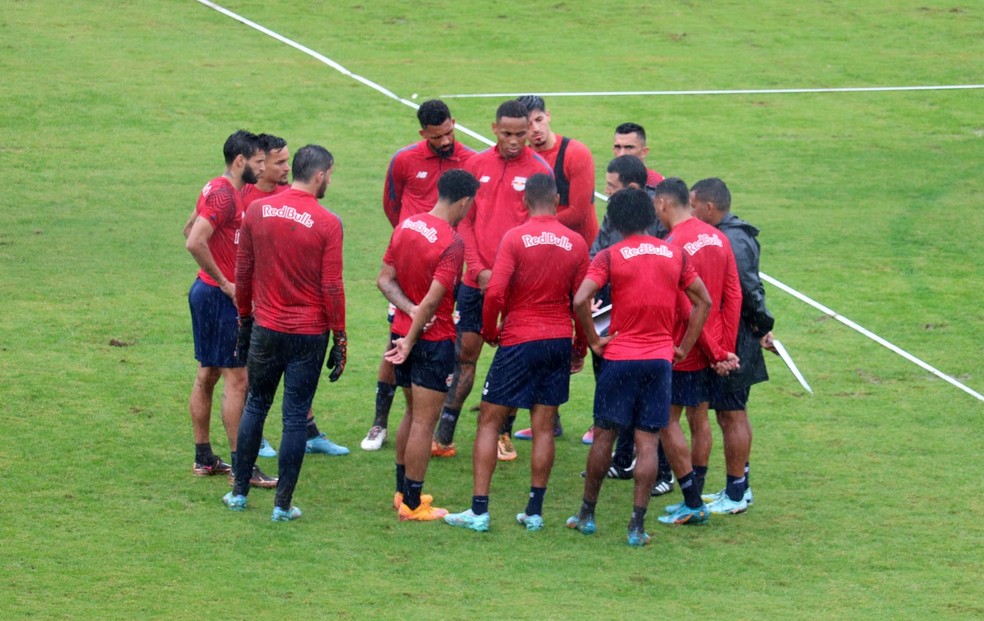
[[536, 162]]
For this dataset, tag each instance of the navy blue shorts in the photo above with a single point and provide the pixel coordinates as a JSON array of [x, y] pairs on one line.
[[727, 401], [215, 326], [430, 365], [633, 393], [536, 372], [691, 388], [470, 309]]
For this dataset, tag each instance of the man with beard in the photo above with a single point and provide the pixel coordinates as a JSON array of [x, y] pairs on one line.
[[411, 189], [212, 241], [289, 272]]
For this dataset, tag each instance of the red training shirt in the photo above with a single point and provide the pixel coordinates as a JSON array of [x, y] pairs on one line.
[[498, 204], [653, 178], [578, 213], [538, 269], [290, 265], [411, 180], [425, 248], [645, 273], [222, 205], [709, 253], [251, 193]]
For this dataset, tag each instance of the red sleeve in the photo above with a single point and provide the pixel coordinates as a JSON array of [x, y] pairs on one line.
[[388, 257], [600, 268], [495, 292], [687, 275], [466, 228], [448, 269], [580, 339], [731, 307], [244, 270], [579, 169], [393, 190], [332, 287], [219, 207]]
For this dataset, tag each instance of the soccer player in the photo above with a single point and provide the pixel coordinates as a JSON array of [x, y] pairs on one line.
[[573, 168], [711, 201], [420, 269], [537, 270], [290, 296], [211, 240], [273, 181], [411, 189], [630, 139], [709, 252], [633, 388], [502, 172]]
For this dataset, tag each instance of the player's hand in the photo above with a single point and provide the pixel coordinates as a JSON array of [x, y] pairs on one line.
[[337, 356], [483, 279], [230, 290], [577, 365], [398, 354], [595, 305], [678, 354], [599, 347], [767, 343], [726, 366], [243, 339]]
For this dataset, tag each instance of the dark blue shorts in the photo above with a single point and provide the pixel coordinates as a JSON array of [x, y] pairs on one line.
[[536, 372], [215, 326], [727, 400], [430, 365], [691, 387], [633, 393], [469, 309]]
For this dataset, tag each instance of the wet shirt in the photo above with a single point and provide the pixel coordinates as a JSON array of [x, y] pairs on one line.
[[498, 205], [222, 205], [538, 269], [578, 212], [646, 274], [411, 180], [290, 265], [425, 248]]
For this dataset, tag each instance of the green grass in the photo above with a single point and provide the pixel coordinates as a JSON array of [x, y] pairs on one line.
[[867, 495]]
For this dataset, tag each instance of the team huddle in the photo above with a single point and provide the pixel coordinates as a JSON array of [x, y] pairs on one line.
[[501, 247]]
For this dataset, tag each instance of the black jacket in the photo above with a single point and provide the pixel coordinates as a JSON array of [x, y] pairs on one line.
[[756, 320]]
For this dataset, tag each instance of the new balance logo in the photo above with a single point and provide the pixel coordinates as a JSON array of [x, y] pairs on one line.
[[430, 234], [288, 213], [663, 251], [484, 179], [547, 237], [702, 241], [422, 174]]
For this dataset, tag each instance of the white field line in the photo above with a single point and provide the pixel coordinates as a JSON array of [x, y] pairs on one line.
[[743, 91], [391, 95]]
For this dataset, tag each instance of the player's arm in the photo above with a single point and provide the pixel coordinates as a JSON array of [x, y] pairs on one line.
[[582, 187], [753, 309], [495, 292], [197, 245], [473, 260], [423, 315], [393, 192], [191, 220], [701, 301], [580, 344], [333, 298]]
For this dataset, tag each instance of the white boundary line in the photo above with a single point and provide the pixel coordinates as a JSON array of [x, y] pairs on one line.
[[746, 91], [765, 277]]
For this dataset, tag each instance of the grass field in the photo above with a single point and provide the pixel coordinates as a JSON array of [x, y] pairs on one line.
[[868, 494]]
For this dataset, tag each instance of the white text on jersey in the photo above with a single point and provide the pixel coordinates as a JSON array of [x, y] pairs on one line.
[[288, 213], [547, 237]]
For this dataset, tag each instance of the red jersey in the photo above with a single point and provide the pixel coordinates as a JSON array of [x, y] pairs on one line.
[[411, 181], [289, 266], [538, 269], [709, 253], [251, 193], [646, 274], [653, 178], [498, 204], [222, 205], [425, 248], [576, 186]]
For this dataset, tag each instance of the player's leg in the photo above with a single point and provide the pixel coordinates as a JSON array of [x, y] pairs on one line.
[[207, 312], [692, 510], [385, 391], [305, 356], [468, 347], [234, 386], [700, 440], [644, 476], [200, 409], [736, 440]]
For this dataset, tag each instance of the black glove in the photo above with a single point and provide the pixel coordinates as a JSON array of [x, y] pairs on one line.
[[337, 356], [242, 341]]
